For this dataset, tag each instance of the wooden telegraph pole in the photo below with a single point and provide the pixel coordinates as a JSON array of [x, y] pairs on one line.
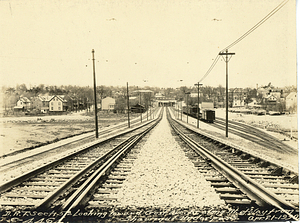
[[95, 96], [198, 110], [128, 107], [226, 59], [187, 107]]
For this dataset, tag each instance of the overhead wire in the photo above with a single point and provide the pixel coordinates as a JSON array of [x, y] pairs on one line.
[[211, 67], [257, 25], [245, 35]]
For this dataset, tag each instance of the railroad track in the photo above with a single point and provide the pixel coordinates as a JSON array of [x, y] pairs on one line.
[[53, 150], [254, 134], [239, 177], [69, 176]]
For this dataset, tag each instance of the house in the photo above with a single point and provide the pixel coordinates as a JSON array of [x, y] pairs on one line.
[[265, 90], [291, 102], [254, 104], [57, 104], [237, 97], [41, 103], [271, 99], [23, 104], [108, 104]]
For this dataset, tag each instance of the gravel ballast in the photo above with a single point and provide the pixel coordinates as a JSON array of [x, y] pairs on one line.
[[163, 176]]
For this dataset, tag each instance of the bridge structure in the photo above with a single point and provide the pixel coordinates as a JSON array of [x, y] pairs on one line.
[[165, 102]]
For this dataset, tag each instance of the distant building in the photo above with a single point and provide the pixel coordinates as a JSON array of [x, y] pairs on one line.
[[57, 104], [165, 101], [291, 102], [108, 104], [206, 105], [159, 95], [237, 97], [41, 103], [272, 99], [23, 104], [254, 104]]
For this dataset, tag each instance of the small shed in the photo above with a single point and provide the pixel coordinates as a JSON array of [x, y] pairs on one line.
[[19, 108]]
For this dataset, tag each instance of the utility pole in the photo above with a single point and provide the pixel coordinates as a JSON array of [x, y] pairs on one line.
[[226, 59], [95, 96], [128, 107], [181, 109], [198, 110], [150, 107], [187, 107], [147, 105], [141, 110], [177, 109]]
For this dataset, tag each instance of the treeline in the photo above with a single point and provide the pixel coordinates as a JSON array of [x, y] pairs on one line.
[[85, 95]]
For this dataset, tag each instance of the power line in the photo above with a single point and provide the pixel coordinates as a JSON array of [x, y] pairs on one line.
[[257, 25], [245, 35], [211, 67]]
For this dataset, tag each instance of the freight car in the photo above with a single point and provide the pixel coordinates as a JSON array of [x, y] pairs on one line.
[[207, 115], [191, 111]]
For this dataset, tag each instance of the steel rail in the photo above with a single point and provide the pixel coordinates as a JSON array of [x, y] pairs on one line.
[[48, 200], [251, 137], [41, 169], [253, 189], [209, 136], [82, 192], [103, 133], [256, 135], [86, 187], [258, 132]]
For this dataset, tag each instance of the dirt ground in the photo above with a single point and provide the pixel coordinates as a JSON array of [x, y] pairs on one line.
[[17, 133]]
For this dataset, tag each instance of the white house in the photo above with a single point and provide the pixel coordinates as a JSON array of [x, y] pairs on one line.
[[23, 104], [291, 101], [57, 104], [195, 94], [237, 96], [108, 103], [271, 98], [254, 104]]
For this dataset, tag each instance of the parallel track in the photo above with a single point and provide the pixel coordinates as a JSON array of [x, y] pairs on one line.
[[254, 134], [41, 187], [102, 182], [242, 179], [53, 150], [89, 180]]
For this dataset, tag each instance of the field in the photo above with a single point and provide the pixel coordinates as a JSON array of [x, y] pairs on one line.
[[19, 133]]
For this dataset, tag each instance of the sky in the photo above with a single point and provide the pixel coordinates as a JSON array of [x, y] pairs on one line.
[[163, 43]]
